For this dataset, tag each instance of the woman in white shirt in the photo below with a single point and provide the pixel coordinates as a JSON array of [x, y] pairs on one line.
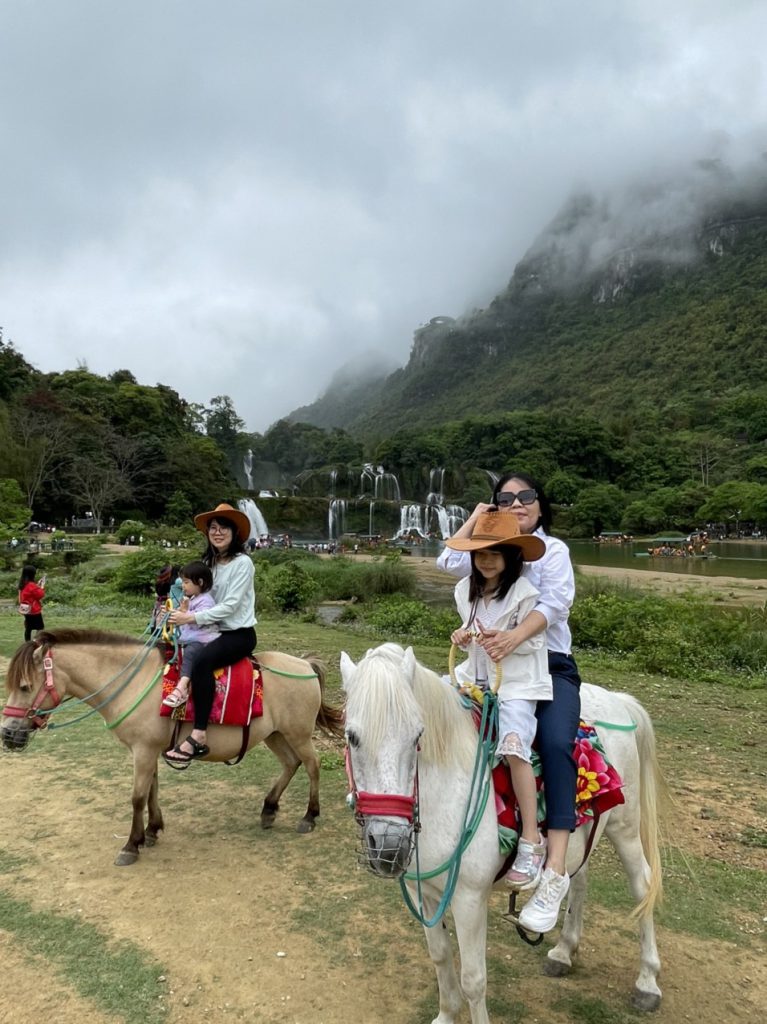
[[519, 495], [227, 531]]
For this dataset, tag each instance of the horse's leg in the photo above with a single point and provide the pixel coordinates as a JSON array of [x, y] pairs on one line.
[[441, 953], [156, 823], [144, 769], [305, 750], [469, 908], [559, 961], [285, 754], [647, 994]]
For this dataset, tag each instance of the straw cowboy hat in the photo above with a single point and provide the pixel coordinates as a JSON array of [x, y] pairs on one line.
[[499, 529], [225, 511]]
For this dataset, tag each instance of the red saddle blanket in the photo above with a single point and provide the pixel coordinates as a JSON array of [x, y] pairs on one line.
[[598, 787], [238, 697]]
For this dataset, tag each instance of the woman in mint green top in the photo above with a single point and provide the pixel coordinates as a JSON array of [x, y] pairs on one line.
[[227, 531]]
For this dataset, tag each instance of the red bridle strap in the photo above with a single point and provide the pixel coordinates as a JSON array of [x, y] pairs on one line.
[[385, 805], [48, 689]]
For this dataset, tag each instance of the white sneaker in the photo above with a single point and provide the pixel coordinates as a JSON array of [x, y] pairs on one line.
[[540, 912], [526, 870]]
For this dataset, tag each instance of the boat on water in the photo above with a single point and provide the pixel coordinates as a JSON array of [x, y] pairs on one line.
[[676, 547]]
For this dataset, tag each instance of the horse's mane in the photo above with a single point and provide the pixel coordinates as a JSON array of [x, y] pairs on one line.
[[382, 698], [22, 663]]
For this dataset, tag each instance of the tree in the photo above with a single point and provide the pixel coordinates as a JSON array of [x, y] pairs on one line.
[[598, 507], [14, 513], [43, 439]]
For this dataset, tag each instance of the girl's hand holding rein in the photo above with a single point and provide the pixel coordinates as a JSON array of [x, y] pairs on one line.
[[499, 643], [180, 618], [461, 638]]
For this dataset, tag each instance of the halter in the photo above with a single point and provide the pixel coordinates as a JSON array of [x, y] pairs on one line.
[[47, 689], [381, 805]]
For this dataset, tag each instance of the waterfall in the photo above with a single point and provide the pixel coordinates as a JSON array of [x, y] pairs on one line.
[[436, 495], [258, 527], [412, 519], [247, 467], [380, 485], [333, 481], [450, 518], [336, 519], [492, 477]]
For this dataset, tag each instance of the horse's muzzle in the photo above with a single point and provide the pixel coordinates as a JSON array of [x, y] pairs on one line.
[[387, 846], [15, 735]]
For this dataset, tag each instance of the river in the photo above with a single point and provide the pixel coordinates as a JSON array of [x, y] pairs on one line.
[[747, 559]]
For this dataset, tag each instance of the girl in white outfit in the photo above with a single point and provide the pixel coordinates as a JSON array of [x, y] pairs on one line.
[[497, 597]]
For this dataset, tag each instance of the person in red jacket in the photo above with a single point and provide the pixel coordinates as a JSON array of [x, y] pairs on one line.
[[31, 594]]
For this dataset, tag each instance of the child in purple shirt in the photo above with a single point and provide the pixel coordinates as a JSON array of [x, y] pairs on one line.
[[196, 582]]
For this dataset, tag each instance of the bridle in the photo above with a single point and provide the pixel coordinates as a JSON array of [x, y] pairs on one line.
[[378, 805], [47, 689]]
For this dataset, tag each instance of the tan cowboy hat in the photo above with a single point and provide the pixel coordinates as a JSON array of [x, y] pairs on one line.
[[225, 511], [499, 529]]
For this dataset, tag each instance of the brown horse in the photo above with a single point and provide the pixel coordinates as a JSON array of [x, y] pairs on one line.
[[117, 677]]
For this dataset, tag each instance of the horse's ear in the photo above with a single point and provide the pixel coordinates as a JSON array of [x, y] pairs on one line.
[[348, 668], [408, 665]]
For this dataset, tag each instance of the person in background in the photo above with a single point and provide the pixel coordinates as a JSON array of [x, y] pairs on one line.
[[31, 595], [523, 497]]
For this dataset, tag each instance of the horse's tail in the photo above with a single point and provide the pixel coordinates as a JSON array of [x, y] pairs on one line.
[[329, 717], [653, 794]]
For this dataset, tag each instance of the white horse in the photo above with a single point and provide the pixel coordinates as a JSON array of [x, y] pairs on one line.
[[401, 716]]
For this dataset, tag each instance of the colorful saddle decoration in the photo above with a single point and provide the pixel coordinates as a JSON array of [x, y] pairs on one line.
[[598, 787], [238, 696]]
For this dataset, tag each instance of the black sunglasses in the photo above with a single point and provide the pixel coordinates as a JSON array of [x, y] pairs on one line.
[[526, 497]]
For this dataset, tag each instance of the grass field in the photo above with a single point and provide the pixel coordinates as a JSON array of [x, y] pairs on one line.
[[63, 907]]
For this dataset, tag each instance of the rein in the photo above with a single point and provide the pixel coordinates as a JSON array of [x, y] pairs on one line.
[[476, 803], [41, 717]]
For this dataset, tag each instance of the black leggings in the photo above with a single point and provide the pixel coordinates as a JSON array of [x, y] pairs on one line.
[[228, 648]]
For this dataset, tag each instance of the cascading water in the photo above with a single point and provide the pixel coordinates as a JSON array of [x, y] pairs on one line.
[[258, 527], [412, 519], [247, 467], [336, 519]]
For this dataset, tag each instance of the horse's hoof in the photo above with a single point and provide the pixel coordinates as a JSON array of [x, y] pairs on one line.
[[556, 968], [125, 857], [267, 820], [647, 1002], [150, 840], [305, 826]]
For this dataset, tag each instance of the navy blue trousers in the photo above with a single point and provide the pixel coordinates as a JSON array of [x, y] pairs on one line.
[[229, 647], [557, 725]]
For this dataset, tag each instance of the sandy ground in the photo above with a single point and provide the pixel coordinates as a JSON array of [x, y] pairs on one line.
[[725, 589]]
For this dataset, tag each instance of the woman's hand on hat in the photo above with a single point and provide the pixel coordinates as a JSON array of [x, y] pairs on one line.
[[480, 510]]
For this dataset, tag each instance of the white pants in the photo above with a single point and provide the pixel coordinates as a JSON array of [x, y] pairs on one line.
[[516, 728]]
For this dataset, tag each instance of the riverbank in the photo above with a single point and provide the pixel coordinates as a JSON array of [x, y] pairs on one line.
[[730, 590]]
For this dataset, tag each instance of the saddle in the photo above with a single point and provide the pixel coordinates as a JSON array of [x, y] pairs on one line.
[[238, 696], [598, 788]]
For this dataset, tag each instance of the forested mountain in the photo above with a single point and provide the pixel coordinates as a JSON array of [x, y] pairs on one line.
[[637, 321], [624, 365]]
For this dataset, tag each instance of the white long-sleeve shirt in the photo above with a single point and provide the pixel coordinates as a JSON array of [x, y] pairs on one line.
[[552, 576]]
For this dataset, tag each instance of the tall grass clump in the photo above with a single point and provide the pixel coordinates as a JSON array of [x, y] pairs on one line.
[[679, 636]]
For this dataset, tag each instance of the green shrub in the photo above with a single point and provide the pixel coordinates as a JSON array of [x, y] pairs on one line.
[[396, 616], [290, 588], [137, 571], [682, 637]]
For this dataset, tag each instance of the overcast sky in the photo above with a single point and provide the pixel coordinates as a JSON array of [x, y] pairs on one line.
[[237, 197]]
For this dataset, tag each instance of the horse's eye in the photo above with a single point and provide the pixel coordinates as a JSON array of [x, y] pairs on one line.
[[25, 686], [352, 739]]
